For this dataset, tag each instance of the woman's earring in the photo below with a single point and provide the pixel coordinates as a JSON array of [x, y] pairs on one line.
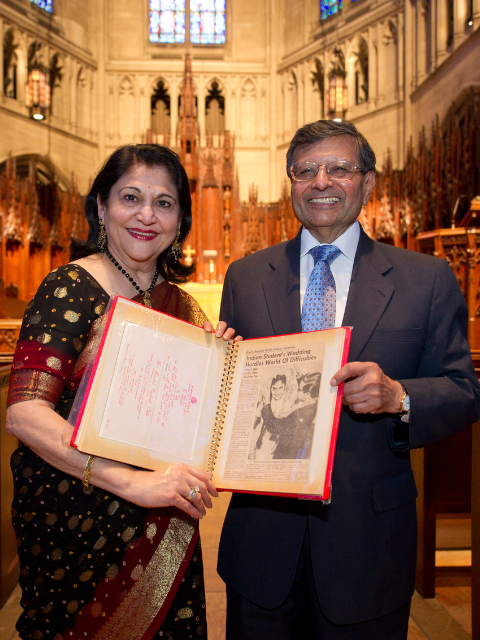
[[177, 248], [102, 236]]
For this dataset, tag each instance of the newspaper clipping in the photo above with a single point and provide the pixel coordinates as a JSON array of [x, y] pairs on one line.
[[274, 422]]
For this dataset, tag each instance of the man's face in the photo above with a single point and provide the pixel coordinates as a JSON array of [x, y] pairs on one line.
[[324, 206]]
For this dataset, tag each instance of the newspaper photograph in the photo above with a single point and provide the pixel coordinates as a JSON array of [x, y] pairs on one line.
[[274, 422]]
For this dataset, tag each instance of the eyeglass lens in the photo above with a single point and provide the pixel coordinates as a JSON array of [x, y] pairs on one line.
[[340, 170]]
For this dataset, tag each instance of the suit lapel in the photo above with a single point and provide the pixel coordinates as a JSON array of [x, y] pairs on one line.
[[368, 295], [282, 290]]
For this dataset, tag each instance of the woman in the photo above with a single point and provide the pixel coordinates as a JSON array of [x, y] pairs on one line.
[[106, 550], [272, 416]]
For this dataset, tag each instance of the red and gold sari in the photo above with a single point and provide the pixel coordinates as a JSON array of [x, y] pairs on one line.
[[92, 564]]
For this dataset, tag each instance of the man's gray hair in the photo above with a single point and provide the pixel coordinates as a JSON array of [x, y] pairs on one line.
[[321, 130]]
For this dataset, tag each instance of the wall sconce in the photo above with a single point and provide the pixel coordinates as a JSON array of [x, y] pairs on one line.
[[37, 93]]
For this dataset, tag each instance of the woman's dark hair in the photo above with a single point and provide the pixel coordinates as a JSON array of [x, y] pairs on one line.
[[116, 166]]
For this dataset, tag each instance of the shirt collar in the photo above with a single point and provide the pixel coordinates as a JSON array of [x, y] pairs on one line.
[[347, 242]]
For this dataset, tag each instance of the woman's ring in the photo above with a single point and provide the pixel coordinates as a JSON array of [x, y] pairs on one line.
[[192, 494]]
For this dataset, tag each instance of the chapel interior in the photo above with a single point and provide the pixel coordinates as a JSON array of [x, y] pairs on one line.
[[226, 83]]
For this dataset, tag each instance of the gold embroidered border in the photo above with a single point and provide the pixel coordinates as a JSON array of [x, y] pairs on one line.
[[93, 342], [139, 608], [30, 384]]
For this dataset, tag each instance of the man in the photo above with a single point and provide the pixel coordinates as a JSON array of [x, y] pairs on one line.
[[345, 571]]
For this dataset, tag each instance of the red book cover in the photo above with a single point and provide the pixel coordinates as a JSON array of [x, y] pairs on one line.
[[259, 414]]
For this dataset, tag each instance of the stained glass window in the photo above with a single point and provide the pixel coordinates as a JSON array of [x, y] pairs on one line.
[[167, 20], [44, 4], [207, 21], [329, 8]]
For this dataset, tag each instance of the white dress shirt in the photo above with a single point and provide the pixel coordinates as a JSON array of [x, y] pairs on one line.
[[341, 267]]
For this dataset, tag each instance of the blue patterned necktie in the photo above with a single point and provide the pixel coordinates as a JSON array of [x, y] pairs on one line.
[[319, 303]]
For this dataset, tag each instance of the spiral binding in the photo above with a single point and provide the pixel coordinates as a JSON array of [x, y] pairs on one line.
[[227, 381]]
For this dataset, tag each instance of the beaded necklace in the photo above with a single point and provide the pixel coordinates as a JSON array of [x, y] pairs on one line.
[[147, 292]]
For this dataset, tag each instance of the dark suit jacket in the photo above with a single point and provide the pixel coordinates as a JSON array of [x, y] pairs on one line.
[[409, 316]]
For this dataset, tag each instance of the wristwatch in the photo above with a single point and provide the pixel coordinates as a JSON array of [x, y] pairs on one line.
[[404, 402]]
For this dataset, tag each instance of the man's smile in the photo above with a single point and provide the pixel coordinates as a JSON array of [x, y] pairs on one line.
[[325, 199]]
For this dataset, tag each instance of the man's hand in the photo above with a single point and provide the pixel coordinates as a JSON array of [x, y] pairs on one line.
[[221, 331], [367, 389]]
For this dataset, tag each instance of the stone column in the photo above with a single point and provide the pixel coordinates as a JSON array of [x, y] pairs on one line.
[[2, 34], [101, 126], [460, 15], [381, 64], [174, 90], [201, 110], [409, 65], [476, 13], [440, 31], [421, 40], [399, 161], [372, 65], [300, 97]]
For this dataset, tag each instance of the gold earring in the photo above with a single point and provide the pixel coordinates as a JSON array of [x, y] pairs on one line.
[[176, 248], [102, 236]]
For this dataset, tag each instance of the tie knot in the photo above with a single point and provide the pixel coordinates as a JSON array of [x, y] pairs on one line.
[[326, 253]]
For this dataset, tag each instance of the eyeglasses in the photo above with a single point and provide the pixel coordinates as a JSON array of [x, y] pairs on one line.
[[339, 170]]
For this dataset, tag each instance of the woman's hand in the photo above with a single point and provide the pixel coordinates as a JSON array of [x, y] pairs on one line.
[[36, 424], [221, 331], [169, 487]]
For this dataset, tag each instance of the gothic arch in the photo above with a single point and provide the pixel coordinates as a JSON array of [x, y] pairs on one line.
[[82, 95], [291, 103], [390, 44], [357, 71], [317, 76], [215, 108], [11, 62], [126, 105], [248, 109], [56, 74], [160, 107]]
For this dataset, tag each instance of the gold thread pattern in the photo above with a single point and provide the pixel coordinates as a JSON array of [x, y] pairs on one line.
[[44, 338], [86, 575], [71, 316], [54, 363], [28, 384], [112, 507], [128, 534], [60, 292], [137, 572], [138, 609], [73, 274], [151, 531], [112, 572], [57, 554]]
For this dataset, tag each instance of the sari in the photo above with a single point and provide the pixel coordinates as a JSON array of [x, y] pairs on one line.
[[93, 565]]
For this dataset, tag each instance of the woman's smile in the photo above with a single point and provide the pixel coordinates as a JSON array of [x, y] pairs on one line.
[[141, 234]]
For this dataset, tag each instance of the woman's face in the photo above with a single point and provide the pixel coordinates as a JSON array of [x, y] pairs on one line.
[[277, 390], [141, 216]]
